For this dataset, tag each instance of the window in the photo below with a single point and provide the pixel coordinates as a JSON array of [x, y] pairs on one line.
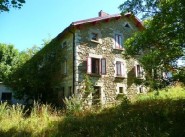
[[70, 91], [139, 71], [118, 41], [120, 90], [120, 69], [6, 96], [127, 25], [94, 36], [64, 67], [140, 89], [64, 44], [96, 66]]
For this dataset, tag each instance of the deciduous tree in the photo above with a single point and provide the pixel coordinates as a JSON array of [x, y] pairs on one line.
[[5, 5], [161, 44]]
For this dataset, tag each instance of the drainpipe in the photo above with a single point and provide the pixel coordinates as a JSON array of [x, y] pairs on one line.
[[73, 59]]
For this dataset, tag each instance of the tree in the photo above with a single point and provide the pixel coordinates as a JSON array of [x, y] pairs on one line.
[[9, 58], [161, 44], [5, 5]]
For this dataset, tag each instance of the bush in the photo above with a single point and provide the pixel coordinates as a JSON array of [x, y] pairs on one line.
[[73, 105]]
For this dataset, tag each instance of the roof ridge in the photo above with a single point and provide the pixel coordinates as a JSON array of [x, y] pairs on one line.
[[94, 19]]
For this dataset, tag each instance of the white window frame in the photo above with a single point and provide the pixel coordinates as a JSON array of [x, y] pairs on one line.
[[142, 88], [124, 88], [123, 68], [98, 39], [118, 41], [139, 74], [102, 65]]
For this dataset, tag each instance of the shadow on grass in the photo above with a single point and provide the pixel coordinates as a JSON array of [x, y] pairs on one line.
[[153, 118], [14, 133]]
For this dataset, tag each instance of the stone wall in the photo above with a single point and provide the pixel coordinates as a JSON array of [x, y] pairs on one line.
[[104, 47], [64, 76]]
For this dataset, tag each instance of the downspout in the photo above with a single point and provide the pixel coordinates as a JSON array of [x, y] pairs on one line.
[[73, 59]]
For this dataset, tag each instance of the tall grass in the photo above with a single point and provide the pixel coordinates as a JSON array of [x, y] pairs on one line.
[[14, 118], [159, 114], [174, 93]]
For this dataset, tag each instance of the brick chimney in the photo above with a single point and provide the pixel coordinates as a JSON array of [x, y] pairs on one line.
[[102, 14]]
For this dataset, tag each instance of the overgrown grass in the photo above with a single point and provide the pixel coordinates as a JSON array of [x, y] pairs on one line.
[[174, 93], [152, 115], [15, 122]]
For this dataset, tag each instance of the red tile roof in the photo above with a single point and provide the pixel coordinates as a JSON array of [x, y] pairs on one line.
[[137, 21], [97, 19]]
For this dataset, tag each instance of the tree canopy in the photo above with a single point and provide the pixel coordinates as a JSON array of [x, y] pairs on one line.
[[9, 58], [5, 5], [161, 44]]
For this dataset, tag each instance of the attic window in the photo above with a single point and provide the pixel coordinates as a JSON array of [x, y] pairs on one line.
[[127, 25]]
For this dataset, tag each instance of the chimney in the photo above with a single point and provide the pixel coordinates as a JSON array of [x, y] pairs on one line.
[[102, 14]]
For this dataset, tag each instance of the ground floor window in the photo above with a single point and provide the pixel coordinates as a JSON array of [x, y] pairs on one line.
[[140, 89], [120, 90]]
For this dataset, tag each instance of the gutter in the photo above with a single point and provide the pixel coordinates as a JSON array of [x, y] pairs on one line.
[[73, 59]]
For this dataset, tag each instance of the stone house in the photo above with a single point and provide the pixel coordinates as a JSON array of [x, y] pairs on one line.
[[95, 47]]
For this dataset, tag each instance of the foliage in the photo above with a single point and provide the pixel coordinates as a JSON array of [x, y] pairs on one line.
[[176, 92], [5, 5], [14, 123], [38, 77], [76, 103], [73, 105], [147, 117], [9, 61], [87, 85], [161, 44]]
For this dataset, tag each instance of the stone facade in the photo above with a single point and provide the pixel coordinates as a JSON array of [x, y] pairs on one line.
[[90, 49]]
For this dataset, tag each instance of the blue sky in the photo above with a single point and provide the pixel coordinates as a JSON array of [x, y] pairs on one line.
[[43, 19]]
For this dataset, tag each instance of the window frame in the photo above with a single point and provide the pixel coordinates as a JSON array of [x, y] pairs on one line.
[[139, 72], [96, 36], [64, 67], [118, 41], [101, 66], [124, 88], [120, 69], [140, 89]]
